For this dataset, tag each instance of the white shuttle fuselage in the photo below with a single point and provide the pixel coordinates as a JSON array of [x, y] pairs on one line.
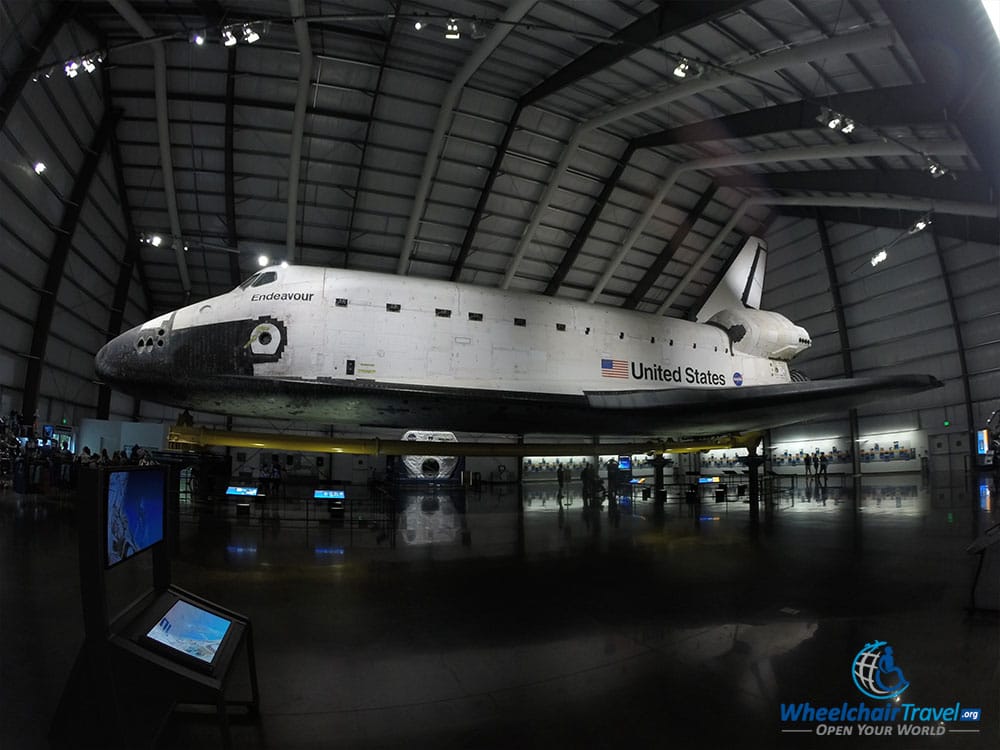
[[365, 348]]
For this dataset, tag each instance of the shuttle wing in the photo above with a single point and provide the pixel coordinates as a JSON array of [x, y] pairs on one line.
[[672, 412], [758, 407]]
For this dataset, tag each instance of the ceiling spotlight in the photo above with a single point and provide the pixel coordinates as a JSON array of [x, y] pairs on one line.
[[284, 264], [682, 69], [880, 256], [39, 167], [88, 65], [72, 69], [452, 31], [156, 240], [477, 29], [198, 38], [418, 25], [934, 169], [250, 34], [920, 225], [848, 126], [263, 261], [227, 37]]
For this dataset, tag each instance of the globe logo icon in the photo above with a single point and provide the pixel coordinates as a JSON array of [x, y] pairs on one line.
[[738, 378], [875, 672]]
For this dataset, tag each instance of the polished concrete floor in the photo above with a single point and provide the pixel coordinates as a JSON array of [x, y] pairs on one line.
[[507, 619]]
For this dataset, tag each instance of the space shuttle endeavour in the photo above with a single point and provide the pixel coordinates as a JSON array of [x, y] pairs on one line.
[[369, 349]]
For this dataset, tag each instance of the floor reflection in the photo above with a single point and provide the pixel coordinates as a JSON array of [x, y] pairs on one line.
[[522, 616]]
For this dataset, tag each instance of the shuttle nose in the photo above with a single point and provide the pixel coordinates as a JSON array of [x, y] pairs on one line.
[[116, 358], [133, 359]]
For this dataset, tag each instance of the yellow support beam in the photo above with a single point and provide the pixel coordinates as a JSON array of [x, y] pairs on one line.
[[204, 437]]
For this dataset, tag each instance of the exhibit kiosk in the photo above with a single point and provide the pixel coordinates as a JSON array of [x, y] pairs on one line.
[[150, 647]]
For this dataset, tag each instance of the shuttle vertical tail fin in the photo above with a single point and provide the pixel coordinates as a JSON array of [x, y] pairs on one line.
[[741, 284]]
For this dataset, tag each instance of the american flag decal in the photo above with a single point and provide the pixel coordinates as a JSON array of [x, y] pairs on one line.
[[614, 368]]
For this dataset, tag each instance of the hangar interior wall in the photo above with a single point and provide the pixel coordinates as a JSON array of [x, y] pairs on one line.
[[54, 121], [899, 320]]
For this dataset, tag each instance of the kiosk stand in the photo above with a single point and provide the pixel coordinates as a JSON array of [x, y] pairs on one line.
[[167, 648]]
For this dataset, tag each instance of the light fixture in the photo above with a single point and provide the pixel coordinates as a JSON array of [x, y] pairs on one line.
[[682, 69], [836, 121], [934, 169], [477, 29], [920, 224], [156, 240], [39, 167], [263, 261], [452, 31], [227, 37], [198, 38], [284, 264], [88, 64], [880, 256], [250, 34], [72, 69]]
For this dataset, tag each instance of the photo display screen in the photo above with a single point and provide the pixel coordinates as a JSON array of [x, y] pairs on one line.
[[191, 630], [135, 505], [245, 491]]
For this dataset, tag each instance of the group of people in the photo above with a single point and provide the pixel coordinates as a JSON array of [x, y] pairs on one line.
[[37, 466], [816, 465]]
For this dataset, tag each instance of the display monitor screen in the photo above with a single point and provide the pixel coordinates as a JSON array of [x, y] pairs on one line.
[[982, 442], [135, 509], [708, 480], [328, 494], [625, 462], [191, 630], [242, 491]]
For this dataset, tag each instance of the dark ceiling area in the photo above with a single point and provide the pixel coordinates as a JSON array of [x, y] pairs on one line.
[[551, 147]]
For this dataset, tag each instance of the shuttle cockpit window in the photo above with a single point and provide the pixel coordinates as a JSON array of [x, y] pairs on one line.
[[265, 278], [250, 280]]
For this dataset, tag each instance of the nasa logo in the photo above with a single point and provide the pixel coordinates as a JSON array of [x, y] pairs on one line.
[[738, 378]]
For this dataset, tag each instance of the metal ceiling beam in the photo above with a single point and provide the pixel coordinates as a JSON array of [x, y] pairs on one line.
[[297, 9], [484, 194], [124, 274], [359, 172], [968, 228], [961, 186], [20, 77], [805, 153], [956, 325], [657, 267], [916, 205], [127, 12], [573, 252], [511, 17], [666, 21], [842, 331], [659, 24], [956, 49], [838, 303], [857, 42], [243, 101], [898, 105], [232, 239], [73, 205]]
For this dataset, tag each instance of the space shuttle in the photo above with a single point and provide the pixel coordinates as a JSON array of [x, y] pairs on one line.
[[368, 349]]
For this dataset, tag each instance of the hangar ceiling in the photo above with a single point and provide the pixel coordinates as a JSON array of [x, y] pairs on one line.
[[551, 147]]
